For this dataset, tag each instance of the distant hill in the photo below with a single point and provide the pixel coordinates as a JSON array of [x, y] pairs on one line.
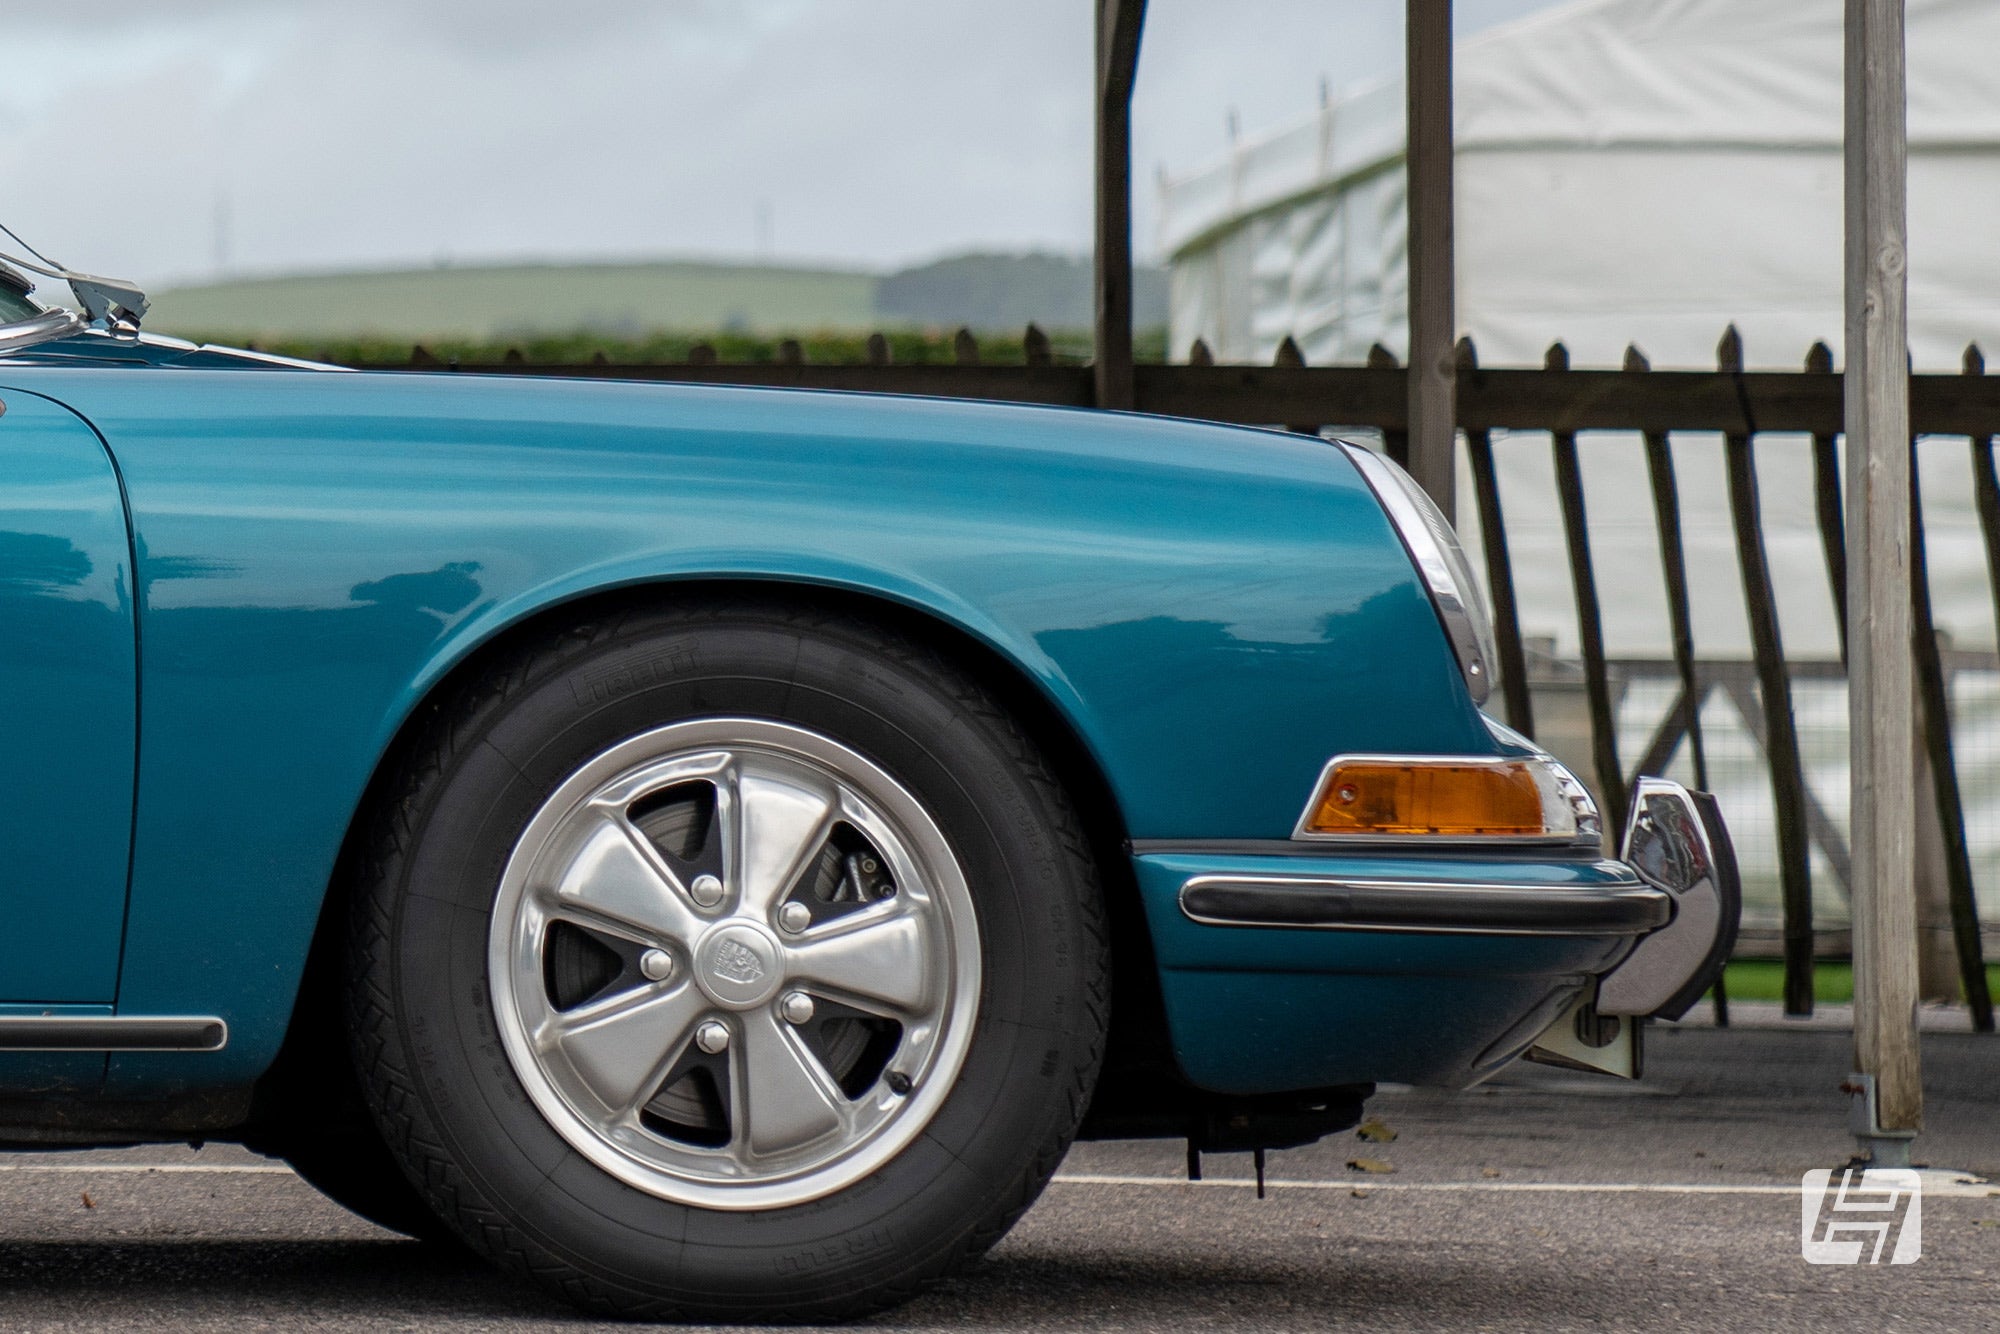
[[994, 291], [499, 301], [983, 291]]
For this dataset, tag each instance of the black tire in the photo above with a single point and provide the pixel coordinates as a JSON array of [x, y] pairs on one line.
[[450, 1105], [356, 1172]]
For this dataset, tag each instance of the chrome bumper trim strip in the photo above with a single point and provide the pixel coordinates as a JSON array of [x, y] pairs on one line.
[[1429, 907]]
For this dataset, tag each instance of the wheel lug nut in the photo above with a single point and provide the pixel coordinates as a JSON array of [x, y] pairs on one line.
[[712, 1038], [797, 1007], [795, 917], [706, 890], [657, 965]]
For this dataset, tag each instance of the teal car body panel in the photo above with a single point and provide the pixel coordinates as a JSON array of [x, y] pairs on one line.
[[68, 701], [1341, 1007], [1214, 611]]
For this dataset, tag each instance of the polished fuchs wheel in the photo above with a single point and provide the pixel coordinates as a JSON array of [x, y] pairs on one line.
[[735, 963]]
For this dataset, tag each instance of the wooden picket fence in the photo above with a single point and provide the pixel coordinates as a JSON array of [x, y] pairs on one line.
[[1737, 403]]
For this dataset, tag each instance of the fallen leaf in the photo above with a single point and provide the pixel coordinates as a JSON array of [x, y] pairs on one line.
[[1375, 1130], [1986, 1222], [1358, 1193], [1489, 1171], [1370, 1165], [88, 1203]]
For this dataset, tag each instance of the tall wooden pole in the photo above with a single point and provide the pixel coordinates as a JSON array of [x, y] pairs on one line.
[[1888, 1089], [1433, 318], [1119, 23]]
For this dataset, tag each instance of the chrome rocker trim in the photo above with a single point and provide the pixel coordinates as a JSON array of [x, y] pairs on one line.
[[90, 1032], [1318, 903]]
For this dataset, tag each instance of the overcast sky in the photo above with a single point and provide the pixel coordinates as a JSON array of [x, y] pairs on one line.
[[156, 141]]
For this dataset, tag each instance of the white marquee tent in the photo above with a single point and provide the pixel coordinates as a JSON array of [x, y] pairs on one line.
[[1645, 172], [1631, 172], [1627, 171]]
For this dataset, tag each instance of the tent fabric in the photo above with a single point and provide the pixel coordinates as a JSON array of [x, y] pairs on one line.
[[1631, 172], [1628, 171]]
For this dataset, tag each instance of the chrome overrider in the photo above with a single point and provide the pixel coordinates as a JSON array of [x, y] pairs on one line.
[[1677, 844]]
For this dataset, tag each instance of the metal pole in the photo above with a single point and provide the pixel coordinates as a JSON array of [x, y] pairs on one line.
[[1888, 1086], [1433, 319], [1119, 23]]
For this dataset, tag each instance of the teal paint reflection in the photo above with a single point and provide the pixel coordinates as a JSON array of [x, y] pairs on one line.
[[68, 692]]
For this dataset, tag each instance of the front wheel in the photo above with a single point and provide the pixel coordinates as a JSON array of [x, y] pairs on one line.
[[739, 963]]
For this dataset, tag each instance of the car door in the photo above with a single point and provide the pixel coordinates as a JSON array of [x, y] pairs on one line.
[[68, 708]]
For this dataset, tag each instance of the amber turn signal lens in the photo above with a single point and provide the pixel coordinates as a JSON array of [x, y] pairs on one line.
[[1465, 798]]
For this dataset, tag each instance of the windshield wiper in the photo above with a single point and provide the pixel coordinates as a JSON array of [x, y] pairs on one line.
[[111, 303]]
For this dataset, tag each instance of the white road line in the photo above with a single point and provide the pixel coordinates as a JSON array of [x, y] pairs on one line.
[[1932, 1187], [1968, 1189], [143, 1169]]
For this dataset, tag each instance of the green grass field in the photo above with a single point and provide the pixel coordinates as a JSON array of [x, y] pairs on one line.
[[1833, 983], [633, 299], [518, 301], [907, 347]]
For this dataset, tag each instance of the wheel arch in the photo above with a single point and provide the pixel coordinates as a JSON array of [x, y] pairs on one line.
[[1138, 1016]]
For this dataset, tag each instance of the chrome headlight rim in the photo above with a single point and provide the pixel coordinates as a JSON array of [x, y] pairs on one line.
[[1441, 562]]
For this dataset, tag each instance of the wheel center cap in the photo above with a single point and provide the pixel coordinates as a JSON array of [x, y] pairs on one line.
[[737, 965]]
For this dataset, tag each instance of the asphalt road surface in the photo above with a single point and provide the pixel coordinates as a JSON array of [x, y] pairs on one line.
[[1542, 1201]]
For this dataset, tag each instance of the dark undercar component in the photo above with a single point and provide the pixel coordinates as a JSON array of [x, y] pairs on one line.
[[1154, 1105]]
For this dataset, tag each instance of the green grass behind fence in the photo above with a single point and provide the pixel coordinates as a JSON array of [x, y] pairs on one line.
[[1833, 983]]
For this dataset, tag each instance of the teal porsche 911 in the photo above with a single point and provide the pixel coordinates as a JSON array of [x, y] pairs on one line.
[[711, 850]]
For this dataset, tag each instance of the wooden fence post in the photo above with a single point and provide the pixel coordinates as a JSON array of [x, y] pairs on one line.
[[1395, 440], [1939, 841], [1119, 24], [1291, 357], [1035, 350], [1887, 1060], [1433, 319], [1774, 687], [1826, 503], [1673, 569], [1589, 622], [1499, 563]]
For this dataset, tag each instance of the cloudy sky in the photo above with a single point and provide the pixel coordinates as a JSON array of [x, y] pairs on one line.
[[159, 141]]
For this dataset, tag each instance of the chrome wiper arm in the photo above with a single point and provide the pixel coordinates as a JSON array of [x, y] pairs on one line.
[[107, 301]]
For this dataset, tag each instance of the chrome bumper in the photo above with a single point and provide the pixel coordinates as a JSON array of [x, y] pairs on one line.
[[1676, 843]]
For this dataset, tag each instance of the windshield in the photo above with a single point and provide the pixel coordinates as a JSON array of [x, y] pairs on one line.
[[14, 303]]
